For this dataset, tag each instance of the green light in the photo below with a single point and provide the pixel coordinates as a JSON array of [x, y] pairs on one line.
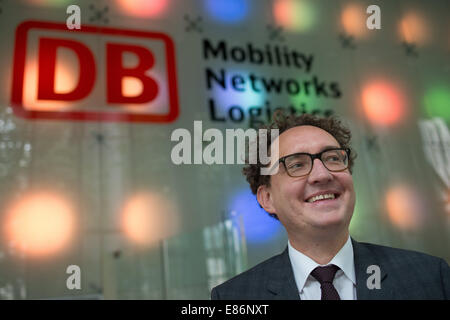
[[307, 103], [436, 102], [356, 227], [47, 3]]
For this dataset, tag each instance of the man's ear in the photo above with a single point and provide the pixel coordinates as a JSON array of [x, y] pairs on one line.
[[265, 198]]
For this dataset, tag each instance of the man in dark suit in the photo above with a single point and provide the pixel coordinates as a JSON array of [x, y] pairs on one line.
[[312, 195]]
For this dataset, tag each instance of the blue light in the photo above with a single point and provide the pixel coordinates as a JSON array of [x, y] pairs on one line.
[[247, 98], [228, 11], [259, 227]]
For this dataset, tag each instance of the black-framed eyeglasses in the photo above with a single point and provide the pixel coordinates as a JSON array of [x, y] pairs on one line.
[[300, 164]]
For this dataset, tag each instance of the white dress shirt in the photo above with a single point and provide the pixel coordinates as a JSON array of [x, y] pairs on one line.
[[344, 280]]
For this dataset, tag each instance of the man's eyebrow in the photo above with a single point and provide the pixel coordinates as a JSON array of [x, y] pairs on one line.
[[329, 147]]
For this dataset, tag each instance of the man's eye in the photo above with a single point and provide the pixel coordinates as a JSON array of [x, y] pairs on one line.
[[296, 165]]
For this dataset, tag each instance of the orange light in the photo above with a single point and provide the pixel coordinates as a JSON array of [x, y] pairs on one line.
[[65, 81], [383, 103], [353, 20], [40, 224], [283, 12], [404, 208], [143, 8], [412, 29], [131, 86], [148, 218]]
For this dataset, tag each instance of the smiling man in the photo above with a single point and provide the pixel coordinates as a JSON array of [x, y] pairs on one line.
[[312, 195]]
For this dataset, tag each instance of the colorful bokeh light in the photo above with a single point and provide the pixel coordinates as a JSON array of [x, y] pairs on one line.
[[353, 20], [357, 223], [40, 223], [131, 86], [383, 103], [404, 207], [143, 8], [412, 28], [224, 99], [307, 103], [148, 218], [227, 11], [258, 226], [295, 15], [436, 102]]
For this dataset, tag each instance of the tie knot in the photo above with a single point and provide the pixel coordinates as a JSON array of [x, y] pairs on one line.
[[325, 274]]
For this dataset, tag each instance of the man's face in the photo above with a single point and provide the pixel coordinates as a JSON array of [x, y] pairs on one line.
[[288, 196]]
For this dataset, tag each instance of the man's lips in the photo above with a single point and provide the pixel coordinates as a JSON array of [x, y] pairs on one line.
[[325, 195]]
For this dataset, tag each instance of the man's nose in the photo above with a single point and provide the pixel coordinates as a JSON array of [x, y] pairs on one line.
[[319, 173]]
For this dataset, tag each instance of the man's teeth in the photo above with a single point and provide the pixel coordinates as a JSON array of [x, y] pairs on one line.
[[321, 197]]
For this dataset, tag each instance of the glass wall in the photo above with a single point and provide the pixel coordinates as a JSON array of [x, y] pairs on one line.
[[90, 186]]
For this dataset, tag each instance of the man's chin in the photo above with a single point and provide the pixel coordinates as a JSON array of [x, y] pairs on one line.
[[329, 221]]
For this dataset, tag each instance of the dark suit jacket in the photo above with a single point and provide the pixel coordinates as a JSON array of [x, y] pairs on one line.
[[404, 275]]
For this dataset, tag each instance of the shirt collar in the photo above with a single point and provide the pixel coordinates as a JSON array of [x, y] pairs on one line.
[[302, 265]]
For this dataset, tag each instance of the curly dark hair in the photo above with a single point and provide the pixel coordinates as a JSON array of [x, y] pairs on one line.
[[283, 122]]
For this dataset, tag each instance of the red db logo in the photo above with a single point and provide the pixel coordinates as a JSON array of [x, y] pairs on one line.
[[96, 73]]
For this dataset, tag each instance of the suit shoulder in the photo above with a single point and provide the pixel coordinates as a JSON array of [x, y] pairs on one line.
[[246, 283], [413, 274], [398, 255], [257, 271]]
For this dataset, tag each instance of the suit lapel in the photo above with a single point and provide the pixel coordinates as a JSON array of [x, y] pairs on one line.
[[281, 282], [363, 258]]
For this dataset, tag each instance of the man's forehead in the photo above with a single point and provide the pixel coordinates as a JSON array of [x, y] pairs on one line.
[[306, 138]]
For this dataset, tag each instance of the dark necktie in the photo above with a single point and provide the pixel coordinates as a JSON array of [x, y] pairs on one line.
[[325, 276]]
